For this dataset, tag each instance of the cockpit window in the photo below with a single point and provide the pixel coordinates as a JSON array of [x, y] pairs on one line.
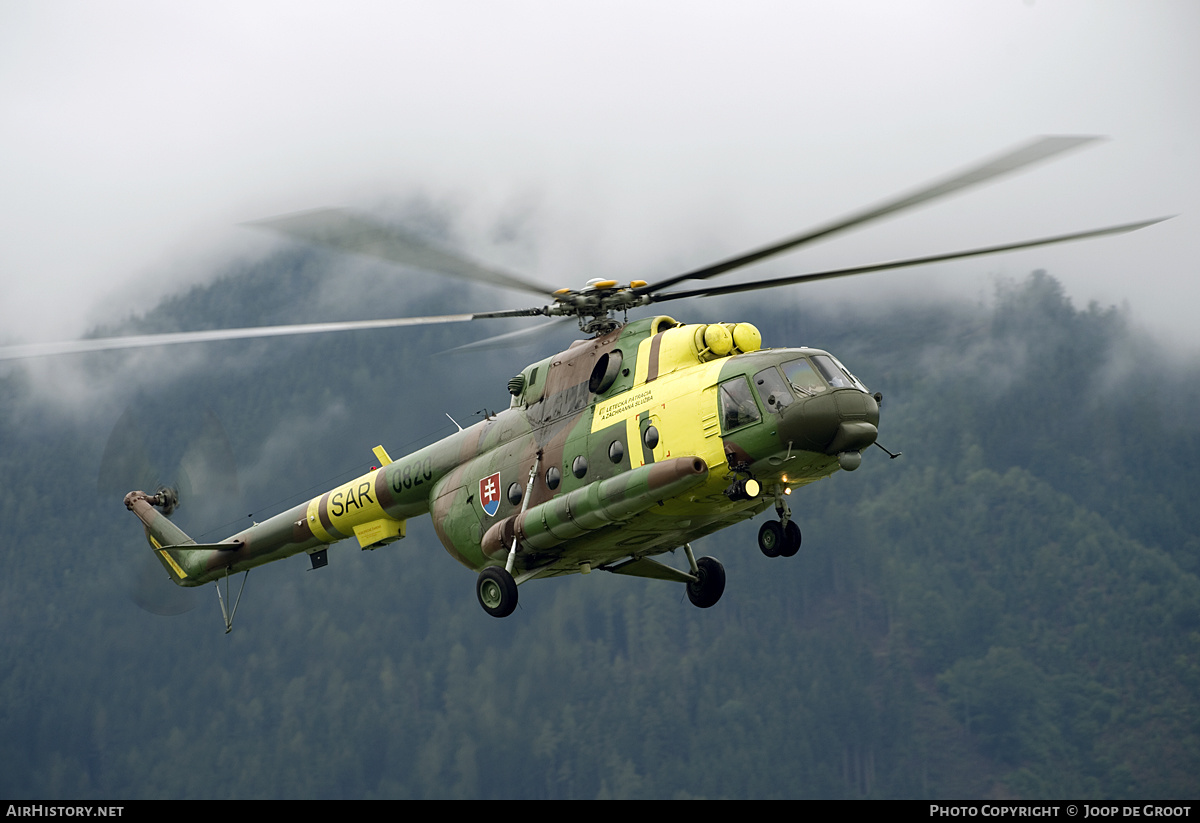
[[737, 404], [836, 373], [802, 377], [772, 390], [829, 370], [858, 384]]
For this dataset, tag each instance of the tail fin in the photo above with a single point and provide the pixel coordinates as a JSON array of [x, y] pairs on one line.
[[164, 535]]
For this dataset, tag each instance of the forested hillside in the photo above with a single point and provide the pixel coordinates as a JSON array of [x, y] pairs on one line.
[[1011, 609]]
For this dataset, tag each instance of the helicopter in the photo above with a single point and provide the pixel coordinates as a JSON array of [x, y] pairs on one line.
[[633, 442]]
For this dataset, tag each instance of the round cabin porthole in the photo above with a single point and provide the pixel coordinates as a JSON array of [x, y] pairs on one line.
[[514, 494], [553, 478], [616, 451], [579, 466], [650, 437]]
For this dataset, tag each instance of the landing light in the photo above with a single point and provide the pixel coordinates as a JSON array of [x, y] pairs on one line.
[[747, 489]]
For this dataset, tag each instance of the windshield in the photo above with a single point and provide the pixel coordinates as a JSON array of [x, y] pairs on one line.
[[802, 377], [833, 370]]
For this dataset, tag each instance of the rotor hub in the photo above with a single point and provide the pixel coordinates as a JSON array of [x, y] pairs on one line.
[[597, 304]]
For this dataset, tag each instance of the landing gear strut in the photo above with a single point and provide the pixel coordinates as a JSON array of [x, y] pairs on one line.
[[227, 613]]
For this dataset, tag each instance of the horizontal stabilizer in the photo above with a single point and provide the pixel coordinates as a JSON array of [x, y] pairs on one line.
[[205, 547]]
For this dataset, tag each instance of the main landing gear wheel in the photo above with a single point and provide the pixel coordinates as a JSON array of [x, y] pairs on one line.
[[791, 540], [771, 538], [497, 591], [710, 585]]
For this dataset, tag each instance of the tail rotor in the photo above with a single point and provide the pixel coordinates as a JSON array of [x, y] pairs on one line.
[[206, 471]]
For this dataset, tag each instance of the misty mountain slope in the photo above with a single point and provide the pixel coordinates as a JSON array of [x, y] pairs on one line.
[[1008, 609], [1040, 625]]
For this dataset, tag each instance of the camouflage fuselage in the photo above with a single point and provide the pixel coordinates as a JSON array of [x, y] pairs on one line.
[[627, 445]]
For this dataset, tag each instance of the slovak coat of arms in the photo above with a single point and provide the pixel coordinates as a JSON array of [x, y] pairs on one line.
[[489, 494]]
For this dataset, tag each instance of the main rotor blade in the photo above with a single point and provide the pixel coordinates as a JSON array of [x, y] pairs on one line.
[[511, 339], [1039, 149], [170, 338], [347, 231], [713, 291]]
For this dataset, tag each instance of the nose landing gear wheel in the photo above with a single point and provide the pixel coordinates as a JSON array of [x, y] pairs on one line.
[[791, 540], [710, 585], [771, 538], [497, 591]]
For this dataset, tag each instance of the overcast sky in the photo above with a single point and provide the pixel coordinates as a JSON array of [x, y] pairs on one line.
[[618, 139]]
